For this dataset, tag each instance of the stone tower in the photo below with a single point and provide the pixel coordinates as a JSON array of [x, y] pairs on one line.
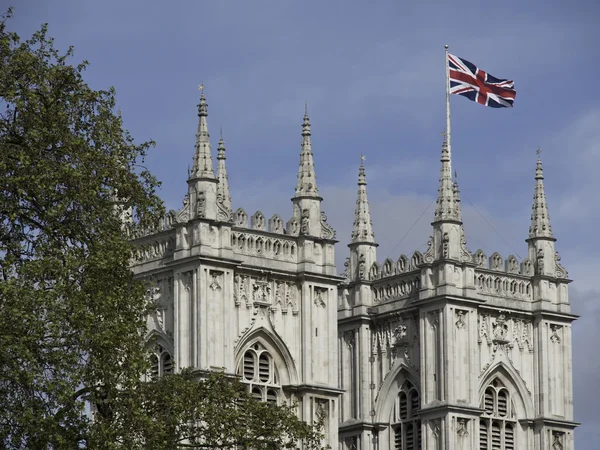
[[254, 296], [452, 350], [443, 350]]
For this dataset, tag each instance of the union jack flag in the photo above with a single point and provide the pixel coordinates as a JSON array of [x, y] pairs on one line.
[[481, 87]]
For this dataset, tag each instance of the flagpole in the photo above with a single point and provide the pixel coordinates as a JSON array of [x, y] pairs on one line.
[[448, 109]]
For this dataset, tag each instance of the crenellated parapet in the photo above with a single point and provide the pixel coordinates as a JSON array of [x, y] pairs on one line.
[[507, 278], [263, 245], [389, 268]]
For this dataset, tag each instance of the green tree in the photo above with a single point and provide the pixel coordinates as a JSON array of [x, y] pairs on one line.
[[71, 312]]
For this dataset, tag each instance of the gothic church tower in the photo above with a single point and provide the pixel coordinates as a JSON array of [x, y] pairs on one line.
[[253, 296], [443, 350], [454, 350]]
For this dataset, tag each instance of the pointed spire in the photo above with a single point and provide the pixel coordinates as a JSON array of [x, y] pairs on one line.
[[540, 219], [456, 193], [448, 201], [307, 180], [223, 193], [362, 230], [203, 163]]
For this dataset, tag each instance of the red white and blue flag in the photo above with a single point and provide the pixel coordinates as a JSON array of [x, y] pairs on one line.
[[481, 87]]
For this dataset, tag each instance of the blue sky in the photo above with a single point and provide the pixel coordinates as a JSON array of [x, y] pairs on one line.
[[373, 76]]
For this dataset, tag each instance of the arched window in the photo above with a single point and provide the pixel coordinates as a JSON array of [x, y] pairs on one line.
[[161, 362], [257, 369], [406, 423], [498, 424]]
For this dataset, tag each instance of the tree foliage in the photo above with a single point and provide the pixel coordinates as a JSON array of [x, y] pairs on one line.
[[71, 312]]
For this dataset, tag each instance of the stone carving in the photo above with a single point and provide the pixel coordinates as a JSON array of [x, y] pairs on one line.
[[445, 245], [278, 248], [559, 270], [257, 221], [305, 222], [319, 296], [527, 267], [361, 266], [327, 231], [466, 255], [429, 253], [290, 297], [215, 284], [503, 286], [279, 290], [346, 273], [261, 291], [350, 443], [183, 215], [293, 227], [201, 205], [540, 262], [500, 329], [512, 265], [403, 264], [480, 258], [495, 261], [399, 334], [170, 219], [276, 224], [241, 218], [224, 213], [416, 261], [186, 279], [555, 338], [461, 427], [161, 248], [388, 268], [374, 271], [436, 427], [460, 319], [523, 334], [557, 440], [161, 312], [397, 288], [349, 338]]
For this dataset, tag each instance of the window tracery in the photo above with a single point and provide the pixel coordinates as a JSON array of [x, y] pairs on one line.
[[497, 426], [161, 362], [257, 370], [406, 422]]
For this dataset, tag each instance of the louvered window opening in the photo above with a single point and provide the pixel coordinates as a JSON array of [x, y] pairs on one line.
[[258, 371], [406, 432], [497, 425], [161, 363]]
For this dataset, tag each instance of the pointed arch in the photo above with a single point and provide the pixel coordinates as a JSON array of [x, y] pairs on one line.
[[390, 389], [276, 347], [514, 383], [159, 337]]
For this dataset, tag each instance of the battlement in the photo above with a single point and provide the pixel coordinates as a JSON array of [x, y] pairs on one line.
[[389, 268], [263, 245]]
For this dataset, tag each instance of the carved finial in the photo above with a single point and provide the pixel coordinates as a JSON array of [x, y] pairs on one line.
[[539, 151], [540, 219], [221, 133], [201, 87], [307, 180], [362, 229], [305, 108], [447, 206], [223, 193], [203, 164]]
